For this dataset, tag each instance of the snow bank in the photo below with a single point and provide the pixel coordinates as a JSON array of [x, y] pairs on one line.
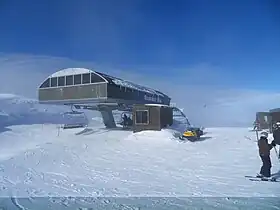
[[159, 136], [17, 110]]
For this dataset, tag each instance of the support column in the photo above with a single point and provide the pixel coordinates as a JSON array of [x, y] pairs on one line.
[[108, 118]]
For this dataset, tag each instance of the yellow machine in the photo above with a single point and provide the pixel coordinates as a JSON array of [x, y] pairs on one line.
[[190, 135]]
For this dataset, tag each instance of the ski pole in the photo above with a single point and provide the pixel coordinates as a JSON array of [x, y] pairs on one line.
[[246, 137], [257, 135], [276, 153]]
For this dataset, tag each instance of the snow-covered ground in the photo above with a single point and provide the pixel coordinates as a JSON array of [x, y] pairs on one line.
[[38, 161], [43, 167]]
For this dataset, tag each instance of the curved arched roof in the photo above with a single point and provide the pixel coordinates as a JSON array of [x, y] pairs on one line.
[[70, 71], [73, 71]]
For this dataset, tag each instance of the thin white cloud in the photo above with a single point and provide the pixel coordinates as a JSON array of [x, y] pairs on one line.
[[206, 104]]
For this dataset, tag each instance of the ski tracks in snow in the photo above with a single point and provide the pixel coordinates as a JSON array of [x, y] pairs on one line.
[[119, 163]]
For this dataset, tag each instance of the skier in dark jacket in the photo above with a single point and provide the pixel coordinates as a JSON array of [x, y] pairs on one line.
[[264, 152], [276, 136], [125, 120]]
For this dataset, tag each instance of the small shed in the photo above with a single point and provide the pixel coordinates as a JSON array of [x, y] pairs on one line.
[[263, 120], [274, 117], [266, 120], [151, 117]]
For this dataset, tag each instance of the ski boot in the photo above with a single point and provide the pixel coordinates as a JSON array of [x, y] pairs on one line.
[[260, 176]]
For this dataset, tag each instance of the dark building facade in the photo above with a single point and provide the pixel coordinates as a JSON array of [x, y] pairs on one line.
[[124, 90]]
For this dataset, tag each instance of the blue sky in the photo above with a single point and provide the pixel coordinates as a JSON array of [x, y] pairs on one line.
[[219, 44], [240, 38]]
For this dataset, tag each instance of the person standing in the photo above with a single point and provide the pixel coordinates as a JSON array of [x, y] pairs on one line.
[[264, 153], [276, 136]]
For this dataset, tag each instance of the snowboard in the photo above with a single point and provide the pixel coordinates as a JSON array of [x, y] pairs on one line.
[[261, 179]]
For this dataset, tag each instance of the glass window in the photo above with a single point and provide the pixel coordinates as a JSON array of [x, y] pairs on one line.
[[95, 78], [142, 117], [54, 82], [69, 80], [77, 79], [61, 81], [86, 78], [46, 84]]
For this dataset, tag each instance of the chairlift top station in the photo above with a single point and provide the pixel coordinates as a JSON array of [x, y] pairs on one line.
[[84, 86], [88, 89]]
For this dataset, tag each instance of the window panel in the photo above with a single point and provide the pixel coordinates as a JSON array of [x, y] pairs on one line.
[[95, 78], [69, 80], [142, 117], [77, 79], [86, 78], [54, 82], [61, 81], [46, 83]]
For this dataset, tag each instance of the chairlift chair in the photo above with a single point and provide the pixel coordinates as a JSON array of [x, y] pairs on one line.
[[75, 124]]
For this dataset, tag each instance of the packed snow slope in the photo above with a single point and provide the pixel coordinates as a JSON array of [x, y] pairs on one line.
[[38, 161], [43, 167]]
